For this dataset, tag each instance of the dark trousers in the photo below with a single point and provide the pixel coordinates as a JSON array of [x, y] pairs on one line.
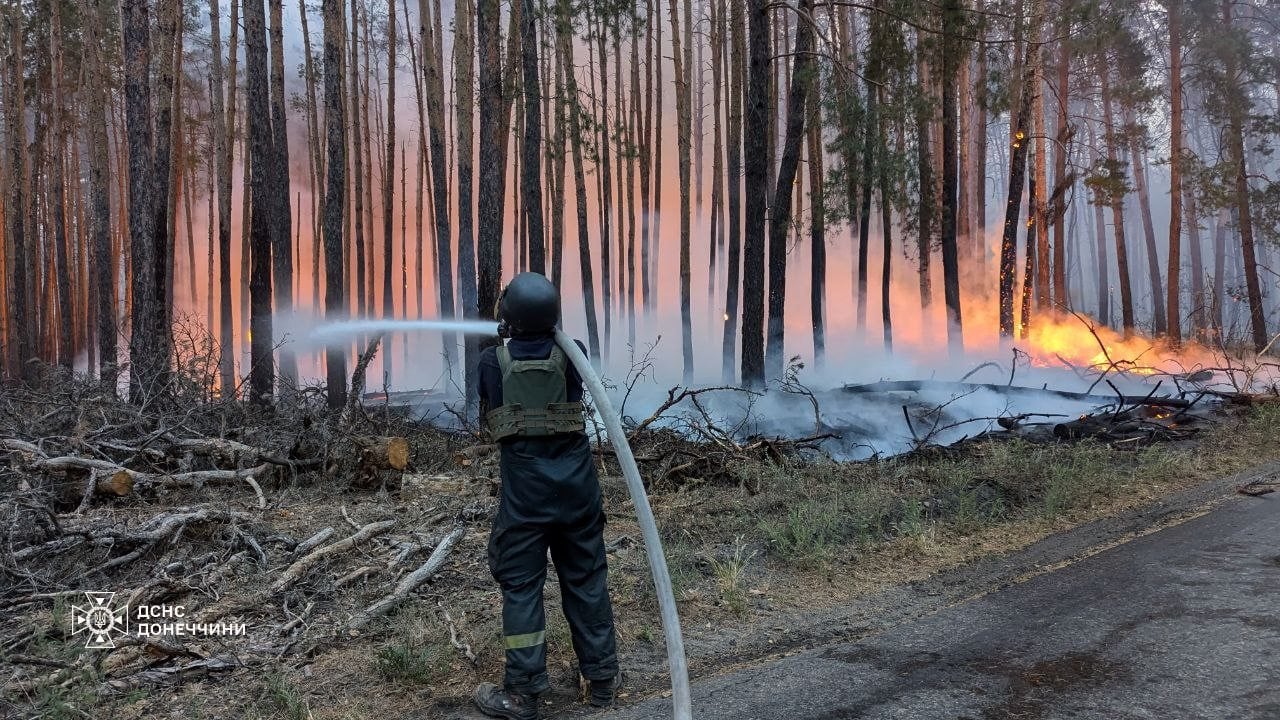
[[518, 560]]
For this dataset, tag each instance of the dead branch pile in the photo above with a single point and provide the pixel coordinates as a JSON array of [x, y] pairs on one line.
[[292, 520]]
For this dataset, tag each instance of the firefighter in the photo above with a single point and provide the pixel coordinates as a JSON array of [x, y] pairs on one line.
[[531, 399]]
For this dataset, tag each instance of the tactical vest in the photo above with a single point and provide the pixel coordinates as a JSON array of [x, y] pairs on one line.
[[534, 398]]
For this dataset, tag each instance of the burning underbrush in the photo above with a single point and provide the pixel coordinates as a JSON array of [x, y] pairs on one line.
[[299, 562]]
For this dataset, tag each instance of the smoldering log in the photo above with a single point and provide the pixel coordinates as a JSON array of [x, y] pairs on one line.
[[962, 387]]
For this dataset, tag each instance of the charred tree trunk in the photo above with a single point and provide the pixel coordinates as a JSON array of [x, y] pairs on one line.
[[434, 83], [1138, 161], [1013, 205], [147, 359], [755, 138], [491, 194], [684, 133], [464, 88], [103, 271], [335, 198], [531, 179], [281, 215], [780, 218], [950, 260], [58, 199], [817, 232], [924, 164], [1172, 310], [573, 109], [733, 164], [262, 154], [1236, 105], [1117, 193]]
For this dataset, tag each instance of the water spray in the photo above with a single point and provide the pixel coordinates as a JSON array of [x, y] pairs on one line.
[[626, 460]]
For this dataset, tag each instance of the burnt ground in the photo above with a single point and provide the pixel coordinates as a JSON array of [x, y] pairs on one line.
[[1183, 622], [771, 554]]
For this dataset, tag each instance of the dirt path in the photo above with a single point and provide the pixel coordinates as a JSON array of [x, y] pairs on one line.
[[1167, 611]]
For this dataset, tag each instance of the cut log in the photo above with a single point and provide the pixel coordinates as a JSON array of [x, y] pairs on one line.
[[375, 456], [475, 455]]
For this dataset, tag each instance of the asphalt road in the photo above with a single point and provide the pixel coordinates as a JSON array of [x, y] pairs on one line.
[[1180, 624]]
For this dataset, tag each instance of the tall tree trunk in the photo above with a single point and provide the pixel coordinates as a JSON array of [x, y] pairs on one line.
[[262, 154], [169, 25], [357, 165], [950, 261], [573, 109], [1039, 200], [780, 218], [1237, 105], [335, 198], [103, 266], [1220, 270], [490, 191], [1013, 205], [817, 230], [315, 144], [221, 121], [388, 182], [886, 237], [146, 349], [924, 164], [434, 83], [1100, 225], [281, 215], [1173, 312], [756, 173], [1139, 161], [1117, 207], [531, 180], [734, 167], [464, 88], [66, 350], [684, 132], [1061, 295]]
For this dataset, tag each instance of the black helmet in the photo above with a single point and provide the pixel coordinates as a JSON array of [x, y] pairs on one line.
[[529, 305]]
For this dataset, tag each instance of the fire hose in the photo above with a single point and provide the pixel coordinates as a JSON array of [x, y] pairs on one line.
[[648, 527]]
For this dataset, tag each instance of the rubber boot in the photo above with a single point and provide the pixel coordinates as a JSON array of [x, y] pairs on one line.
[[499, 703], [605, 692]]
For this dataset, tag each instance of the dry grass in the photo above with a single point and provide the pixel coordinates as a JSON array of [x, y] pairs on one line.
[[781, 540]]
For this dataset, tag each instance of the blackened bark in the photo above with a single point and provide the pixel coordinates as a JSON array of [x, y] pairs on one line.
[[564, 46], [281, 215], [950, 261], [734, 167], [1117, 208], [1172, 310], [146, 350], [755, 137], [335, 198], [531, 167], [102, 269], [817, 232], [57, 195], [1013, 208], [262, 367], [491, 195], [780, 219]]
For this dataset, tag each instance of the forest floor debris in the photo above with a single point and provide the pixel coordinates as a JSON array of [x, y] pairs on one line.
[[364, 590]]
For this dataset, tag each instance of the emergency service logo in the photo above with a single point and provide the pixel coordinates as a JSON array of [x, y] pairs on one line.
[[101, 620], [104, 623]]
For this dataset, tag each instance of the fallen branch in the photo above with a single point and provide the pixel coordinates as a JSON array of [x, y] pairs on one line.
[[410, 582], [305, 563], [944, 386]]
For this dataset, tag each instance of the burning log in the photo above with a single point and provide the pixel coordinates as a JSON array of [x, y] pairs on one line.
[[963, 387]]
